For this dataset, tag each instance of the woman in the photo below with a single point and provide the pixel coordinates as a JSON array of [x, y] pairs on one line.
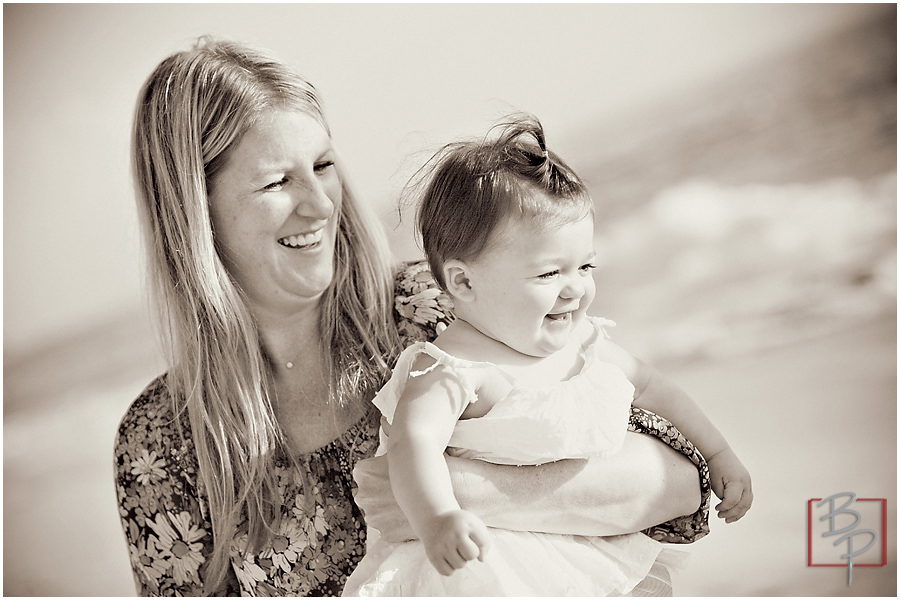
[[234, 468]]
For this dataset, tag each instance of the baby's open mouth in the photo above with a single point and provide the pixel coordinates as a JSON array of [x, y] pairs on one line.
[[303, 240], [560, 316]]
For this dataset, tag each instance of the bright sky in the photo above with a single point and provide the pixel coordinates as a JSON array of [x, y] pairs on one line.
[[398, 80]]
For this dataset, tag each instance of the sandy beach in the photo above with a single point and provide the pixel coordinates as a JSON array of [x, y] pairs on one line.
[[811, 419]]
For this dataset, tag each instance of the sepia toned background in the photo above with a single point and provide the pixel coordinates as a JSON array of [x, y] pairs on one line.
[[743, 163]]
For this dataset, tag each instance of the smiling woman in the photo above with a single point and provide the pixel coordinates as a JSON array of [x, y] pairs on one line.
[[233, 427]]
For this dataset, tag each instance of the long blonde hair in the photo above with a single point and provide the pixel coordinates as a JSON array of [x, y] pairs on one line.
[[193, 109]]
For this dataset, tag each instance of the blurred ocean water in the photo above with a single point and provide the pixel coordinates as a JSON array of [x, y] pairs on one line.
[[747, 241], [707, 270]]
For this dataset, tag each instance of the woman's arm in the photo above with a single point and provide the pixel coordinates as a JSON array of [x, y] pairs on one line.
[[655, 392], [644, 484], [729, 478], [169, 540]]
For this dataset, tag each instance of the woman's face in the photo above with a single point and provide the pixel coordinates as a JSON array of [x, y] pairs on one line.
[[275, 207]]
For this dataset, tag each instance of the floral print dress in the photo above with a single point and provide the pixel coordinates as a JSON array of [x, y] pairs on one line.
[[163, 506]]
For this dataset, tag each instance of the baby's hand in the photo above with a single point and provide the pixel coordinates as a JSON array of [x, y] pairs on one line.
[[730, 481], [454, 538]]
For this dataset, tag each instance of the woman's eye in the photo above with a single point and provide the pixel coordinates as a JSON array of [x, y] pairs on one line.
[[276, 185], [324, 166], [549, 274]]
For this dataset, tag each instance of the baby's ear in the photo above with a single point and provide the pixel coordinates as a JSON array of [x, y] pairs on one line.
[[456, 278]]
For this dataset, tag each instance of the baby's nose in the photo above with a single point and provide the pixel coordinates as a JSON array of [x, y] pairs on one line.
[[573, 289]]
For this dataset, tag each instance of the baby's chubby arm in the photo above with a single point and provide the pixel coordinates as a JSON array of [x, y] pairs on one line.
[[423, 423], [729, 479]]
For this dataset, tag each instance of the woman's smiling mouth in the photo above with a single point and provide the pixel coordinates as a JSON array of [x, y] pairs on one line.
[[303, 240]]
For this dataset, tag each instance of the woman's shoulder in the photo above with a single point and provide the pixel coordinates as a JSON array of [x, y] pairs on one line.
[[153, 407], [152, 440], [154, 398], [422, 309]]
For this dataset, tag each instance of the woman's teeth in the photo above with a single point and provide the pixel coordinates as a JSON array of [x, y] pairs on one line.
[[302, 240]]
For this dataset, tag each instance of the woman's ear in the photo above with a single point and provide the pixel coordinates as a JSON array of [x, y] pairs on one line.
[[456, 278]]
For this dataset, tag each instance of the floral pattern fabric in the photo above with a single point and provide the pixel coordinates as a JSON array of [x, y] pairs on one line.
[[162, 504], [687, 528], [162, 507]]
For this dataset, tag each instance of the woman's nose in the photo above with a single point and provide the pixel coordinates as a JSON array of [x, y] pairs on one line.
[[313, 202]]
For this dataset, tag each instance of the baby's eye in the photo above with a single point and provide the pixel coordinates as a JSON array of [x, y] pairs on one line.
[[276, 185], [549, 274], [323, 166], [587, 268]]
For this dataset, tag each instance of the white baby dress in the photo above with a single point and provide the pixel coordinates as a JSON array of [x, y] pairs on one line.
[[585, 415]]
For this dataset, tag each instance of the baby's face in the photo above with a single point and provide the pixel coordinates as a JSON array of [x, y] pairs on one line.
[[533, 285]]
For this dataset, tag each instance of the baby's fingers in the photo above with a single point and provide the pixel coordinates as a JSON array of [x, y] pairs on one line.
[[455, 560], [735, 503], [447, 559], [468, 550], [481, 539], [731, 495], [458, 538]]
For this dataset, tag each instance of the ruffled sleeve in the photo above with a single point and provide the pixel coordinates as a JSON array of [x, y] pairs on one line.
[[687, 528], [388, 397]]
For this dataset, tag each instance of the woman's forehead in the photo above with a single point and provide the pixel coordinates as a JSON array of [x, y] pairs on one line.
[[280, 136]]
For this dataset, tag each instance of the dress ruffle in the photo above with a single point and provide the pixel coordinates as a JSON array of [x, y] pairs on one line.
[[516, 564]]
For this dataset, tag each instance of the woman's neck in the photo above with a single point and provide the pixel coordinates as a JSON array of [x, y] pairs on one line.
[[303, 405], [289, 340]]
